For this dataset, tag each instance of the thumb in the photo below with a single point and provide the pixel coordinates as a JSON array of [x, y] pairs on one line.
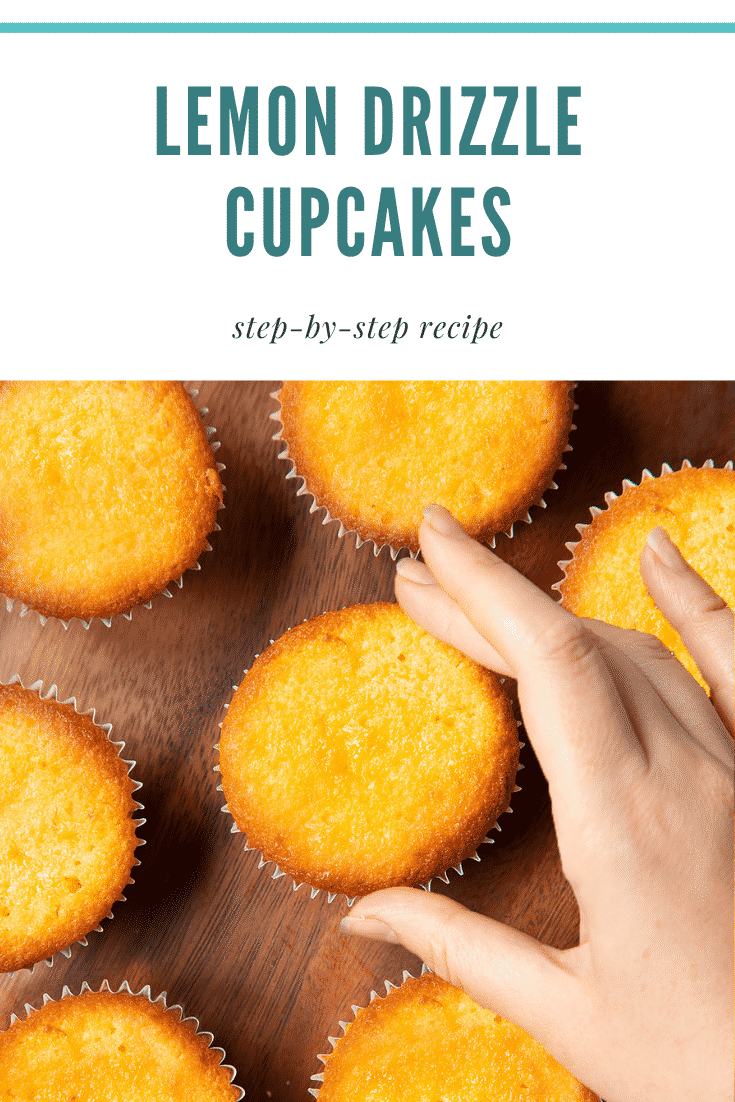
[[497, 966]]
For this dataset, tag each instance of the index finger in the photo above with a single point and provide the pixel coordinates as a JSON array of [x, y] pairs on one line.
[[571, 708], [702, 618]]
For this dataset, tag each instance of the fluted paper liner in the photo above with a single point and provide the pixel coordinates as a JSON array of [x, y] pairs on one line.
[[145, 992], [327, 518], [52, 694], [24, 609], [356, 1008], [278, 873], [323, 1057]]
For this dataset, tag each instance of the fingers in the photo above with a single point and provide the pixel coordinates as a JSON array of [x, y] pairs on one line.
[[683, 697], [424, 600], [569, 702], [703, 620], [495, 965], [421, 597]]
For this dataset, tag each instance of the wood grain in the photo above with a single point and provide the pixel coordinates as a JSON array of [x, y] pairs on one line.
[[263, 967]]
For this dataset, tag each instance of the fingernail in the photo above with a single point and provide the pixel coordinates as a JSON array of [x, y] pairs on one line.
[[414, 571], [442, 521], [666, 551], [368, 927]]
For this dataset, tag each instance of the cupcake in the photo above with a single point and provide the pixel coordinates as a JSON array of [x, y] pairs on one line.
[[696, 506], [67, 836], [359, 752], [428, 1040], [112, 1045], [107, 493], [374, 453]]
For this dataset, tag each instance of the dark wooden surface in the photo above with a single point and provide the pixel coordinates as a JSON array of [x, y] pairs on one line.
[[263, 967]]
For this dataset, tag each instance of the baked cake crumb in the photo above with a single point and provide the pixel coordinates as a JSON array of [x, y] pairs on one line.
[[359, 752]]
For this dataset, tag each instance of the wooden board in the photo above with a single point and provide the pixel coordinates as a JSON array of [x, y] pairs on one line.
[[263, 967]]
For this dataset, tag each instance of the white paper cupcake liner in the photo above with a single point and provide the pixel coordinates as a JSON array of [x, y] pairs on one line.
[[52, 694], [277, 873], [145, 992], [23, 609], [328, 517], [611, 496], [323, 1057], [356, 1008]]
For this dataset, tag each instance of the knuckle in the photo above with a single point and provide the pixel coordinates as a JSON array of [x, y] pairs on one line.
[[444, 956], [716, 780], [694, 611], [438, 959], [698, 778], [451, 629], [709, 607], [484, 559], [565, 641], [650, 646]]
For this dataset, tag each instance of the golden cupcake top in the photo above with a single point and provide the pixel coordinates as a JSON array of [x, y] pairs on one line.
[[67, 834], [359, 752], [429, 1042], [696, 506], [112, 1046], [107, 493], [374, 453]]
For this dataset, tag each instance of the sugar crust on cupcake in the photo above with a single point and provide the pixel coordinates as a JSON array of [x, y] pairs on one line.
[[374, 453], [696, 506], [107, 493], [120, 1047], [67, 837], [428, 1040], [359, 752]]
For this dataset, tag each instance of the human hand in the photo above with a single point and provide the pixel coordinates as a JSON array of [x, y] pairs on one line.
[[639, 765]]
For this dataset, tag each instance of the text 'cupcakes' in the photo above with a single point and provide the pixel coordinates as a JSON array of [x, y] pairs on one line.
[[696, 506], [359, 752], [428, 1040], [374, 453], [107, 493], [115, 1046], [67, 836]]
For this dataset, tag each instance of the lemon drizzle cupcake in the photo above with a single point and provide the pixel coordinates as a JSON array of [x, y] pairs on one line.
[[360, 752], [373, 454], [67, 836], [107, 494], [117, 1045], [428, 1040], [695, 505]]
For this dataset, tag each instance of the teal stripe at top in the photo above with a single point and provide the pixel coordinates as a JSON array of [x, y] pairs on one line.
[[367, 28]]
